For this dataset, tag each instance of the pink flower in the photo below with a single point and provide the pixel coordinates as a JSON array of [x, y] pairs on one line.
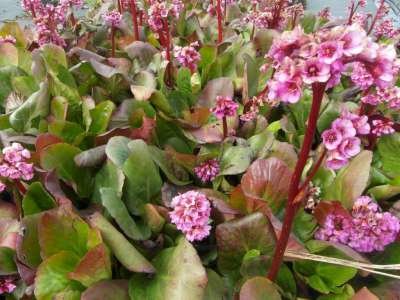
[[345, 127], [382, 127], [315, 71], [2, 187], [336, 160], [224, 107], [325, 13], [332, 139], [207, 171], [8, 39], [367, 230], [360, 123], [287, 44], [14, 165], [112, 18], [371, 99], [350, 147], [288, 91], [7, 286], [330, 51], [354, 40], [191, 215], [188, 56], [361, 76]]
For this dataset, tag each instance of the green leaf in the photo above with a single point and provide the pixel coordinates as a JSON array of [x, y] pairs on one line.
[[110, 176], [52, 275], [37, 105], [123, 250], [107, 289], [351, 181], [183, 82], [259, 288], [37, 199], [28, 249], [216, 289], [389, 151], [91, 157], [143, 181], [93, 267], [7, 263], [180, 275], [167, 166], [117, 209], [60, 157], [117, 150], [251, 75], [208, 55], [235, 238], [63, 230], [101, 115], [69, 132], [235, 160]]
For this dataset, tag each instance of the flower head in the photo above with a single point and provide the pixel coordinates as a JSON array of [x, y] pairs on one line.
[[188, 56], [8, 39], [112, 18], [382, 127], [191, 215], [314, 70], [207, 171], [224, 107], [368, 229], [14, 164], [6, 286]]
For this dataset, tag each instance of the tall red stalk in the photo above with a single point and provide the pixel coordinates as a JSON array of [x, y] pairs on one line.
[[134, 19], [167, 47], [225, 127], [112, 41], [219, 16], [291, 205], [119, 6]]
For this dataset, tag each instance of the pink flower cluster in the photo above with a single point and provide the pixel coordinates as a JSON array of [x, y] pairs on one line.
[[254, 107], [15, 165], [7, 39], [49, 19], [366, 230], [382, 127], [325, 56], [341, 139], [160, 10], [191, 215], [188, 56], [389, 97], [224, 107], [325, 13], [386, 29], [207, 171], [6, 286], [112, 18]]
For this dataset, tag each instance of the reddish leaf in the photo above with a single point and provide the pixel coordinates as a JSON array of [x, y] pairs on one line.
[[195, 118], [107, 289], [267, 180], [145, 131], [93, 267], [364, 294], [44, 140], [259, 288], [325, 208]]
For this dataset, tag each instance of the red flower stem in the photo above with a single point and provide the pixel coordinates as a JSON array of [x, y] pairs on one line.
[[225, 127], [225, 10], [21, 188], [375, 19], [141, 18], [219, 16], [134, 19], [33, 11], [112, 41], [167, 47], [277, 14], [119, 6], [291, 205]]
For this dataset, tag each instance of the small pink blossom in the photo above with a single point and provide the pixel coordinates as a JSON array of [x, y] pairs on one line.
[[330, 51], [188, 56], [15, 165], [112, 18], [345, 127], [336, 160], [7, 286], [382, 127], [332, 139], [315, 71], [2, 187], [7, 39], [350, 147], [325, 13], [191, 215], [354, 40], [207, 171], [224, 107]]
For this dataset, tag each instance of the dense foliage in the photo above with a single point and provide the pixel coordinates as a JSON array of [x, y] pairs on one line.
[[210, 150]]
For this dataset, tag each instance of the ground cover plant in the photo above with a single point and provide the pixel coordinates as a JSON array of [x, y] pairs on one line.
[[199, 150]]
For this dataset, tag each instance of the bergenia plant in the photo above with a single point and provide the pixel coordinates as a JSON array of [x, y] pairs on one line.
[[199, 150]]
